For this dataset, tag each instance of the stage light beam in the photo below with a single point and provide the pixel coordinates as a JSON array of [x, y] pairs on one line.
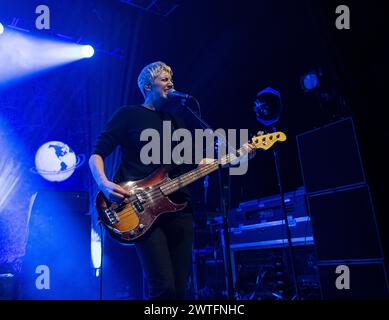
[[23, 55], [1, 28]]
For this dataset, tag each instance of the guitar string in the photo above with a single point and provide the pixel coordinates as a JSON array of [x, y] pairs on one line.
[[188, 176], [195, 172], [128, 209], [169, 185]]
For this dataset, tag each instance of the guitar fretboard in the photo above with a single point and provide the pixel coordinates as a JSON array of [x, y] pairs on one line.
[[195, 174]]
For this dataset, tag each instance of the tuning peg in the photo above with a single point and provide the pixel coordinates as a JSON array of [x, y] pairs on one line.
[[260, 133]]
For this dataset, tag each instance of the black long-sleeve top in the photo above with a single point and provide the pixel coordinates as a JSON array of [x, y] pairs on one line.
[[124, 130]]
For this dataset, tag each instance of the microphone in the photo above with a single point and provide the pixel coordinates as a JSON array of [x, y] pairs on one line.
[[176, 94]]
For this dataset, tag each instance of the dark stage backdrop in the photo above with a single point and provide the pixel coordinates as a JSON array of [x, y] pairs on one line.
[[222, 52]]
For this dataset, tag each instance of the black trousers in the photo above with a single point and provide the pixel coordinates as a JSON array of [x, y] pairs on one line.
[[165, 254]]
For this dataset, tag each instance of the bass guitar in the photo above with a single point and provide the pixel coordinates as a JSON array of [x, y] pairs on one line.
[[130, 220]]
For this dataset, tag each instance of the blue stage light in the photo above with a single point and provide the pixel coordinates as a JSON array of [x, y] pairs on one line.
[[95, 249], [23, 55], [1, 28], [87, 51], [310, 81]]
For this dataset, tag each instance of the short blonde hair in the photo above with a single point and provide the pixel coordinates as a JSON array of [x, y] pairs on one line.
[[150, 72]]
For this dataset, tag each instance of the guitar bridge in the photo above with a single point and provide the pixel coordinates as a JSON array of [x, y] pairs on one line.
[[111, 215]]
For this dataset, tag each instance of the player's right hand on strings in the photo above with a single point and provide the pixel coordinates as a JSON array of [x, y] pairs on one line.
[[113, 192]]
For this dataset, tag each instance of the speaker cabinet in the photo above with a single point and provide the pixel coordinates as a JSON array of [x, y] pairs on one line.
[[346, 234], [365, 281], [57, 264], [343, 220], [344, 225], [329, 157]]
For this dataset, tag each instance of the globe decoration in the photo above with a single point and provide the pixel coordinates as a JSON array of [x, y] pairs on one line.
[[55, 161]]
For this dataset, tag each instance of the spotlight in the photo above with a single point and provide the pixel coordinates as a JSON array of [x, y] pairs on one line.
[[23, 55], [268, 106], [310, 81], [87, 51], [1, 28]]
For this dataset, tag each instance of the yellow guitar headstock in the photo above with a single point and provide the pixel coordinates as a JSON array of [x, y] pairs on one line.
[[266, 141]]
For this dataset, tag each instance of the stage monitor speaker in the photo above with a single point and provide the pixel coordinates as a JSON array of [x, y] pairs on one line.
[[57, 264], [329, 157], [365, 281], [344, 225]]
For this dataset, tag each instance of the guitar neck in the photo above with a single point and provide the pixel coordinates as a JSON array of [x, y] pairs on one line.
[[263, 142], [195, 174]]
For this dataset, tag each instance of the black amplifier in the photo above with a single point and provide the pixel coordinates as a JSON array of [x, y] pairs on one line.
[[268, 209], [260, 223], [271, 234]]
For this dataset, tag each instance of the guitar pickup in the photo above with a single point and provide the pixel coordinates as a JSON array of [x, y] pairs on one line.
[[138, 206], [111, 215], [140, 197]]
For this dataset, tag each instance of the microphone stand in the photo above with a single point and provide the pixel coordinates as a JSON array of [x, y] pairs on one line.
[[224, 202], [286, 222]]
